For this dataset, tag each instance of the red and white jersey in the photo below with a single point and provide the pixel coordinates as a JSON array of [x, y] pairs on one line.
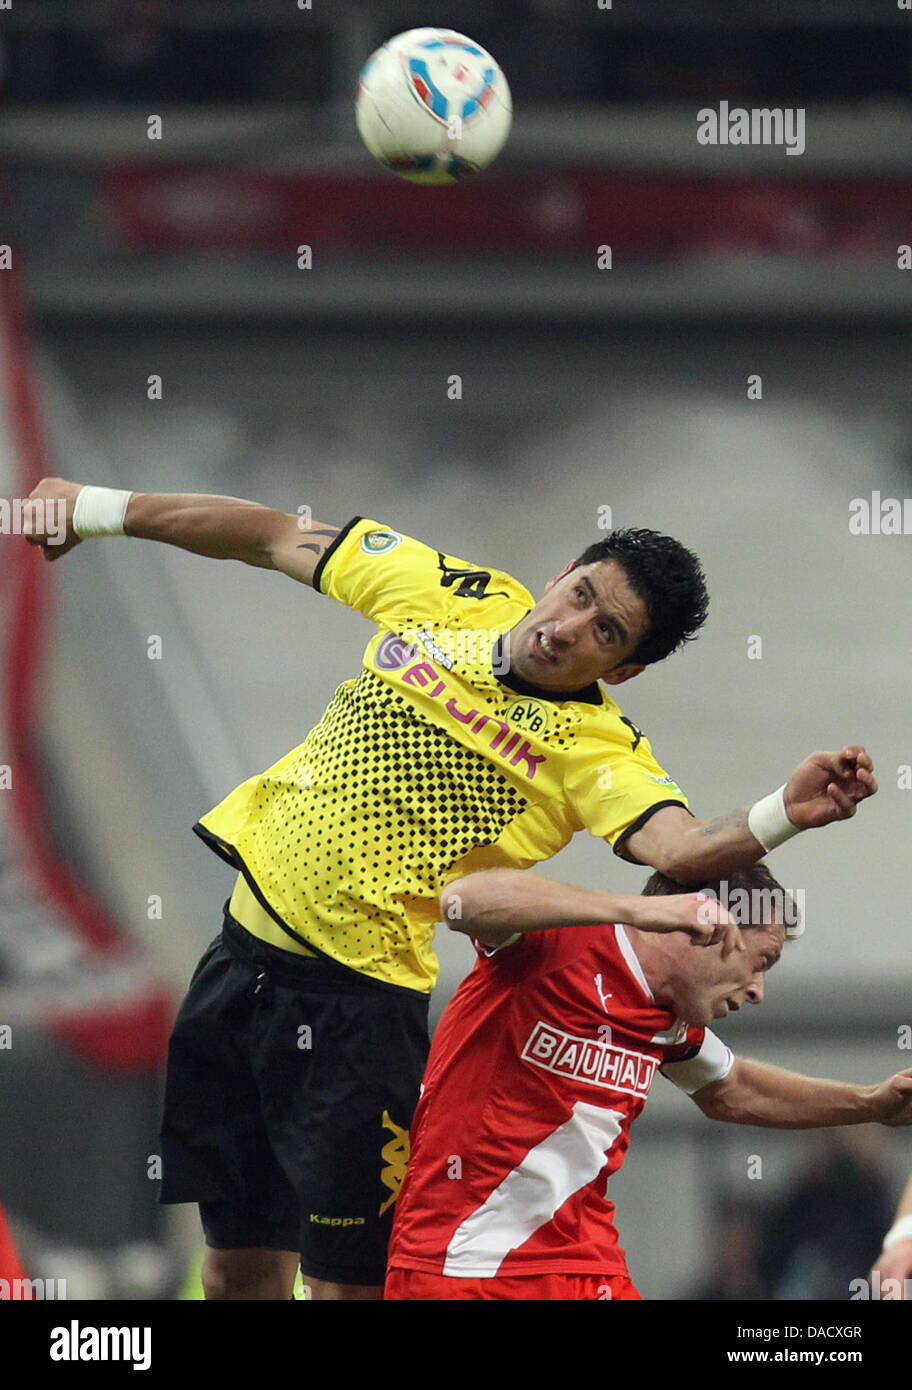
[[539, 1066]]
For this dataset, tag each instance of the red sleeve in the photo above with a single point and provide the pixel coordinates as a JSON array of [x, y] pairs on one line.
[[526, 953], [688, 1047]]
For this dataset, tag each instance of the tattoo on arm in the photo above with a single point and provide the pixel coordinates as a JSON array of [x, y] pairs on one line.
[[330, 532], [734, 820]]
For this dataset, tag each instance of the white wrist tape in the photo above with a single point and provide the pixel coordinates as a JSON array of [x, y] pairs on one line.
[[901, 1230], [100, 511], [767, 821]]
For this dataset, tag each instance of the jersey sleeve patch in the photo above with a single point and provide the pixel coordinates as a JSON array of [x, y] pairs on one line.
[[617, 784], [391, 577], [701, 1064], [380, 541]]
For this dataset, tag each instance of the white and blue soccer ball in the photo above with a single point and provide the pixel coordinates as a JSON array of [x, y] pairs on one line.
[[433, 106]]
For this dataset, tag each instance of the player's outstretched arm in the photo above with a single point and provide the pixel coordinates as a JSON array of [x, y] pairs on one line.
[[495, 905], [826, 787], [895, 1259], [222, 528], [754, 1093]]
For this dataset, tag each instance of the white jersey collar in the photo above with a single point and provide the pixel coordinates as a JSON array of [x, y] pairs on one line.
[[633, 960]]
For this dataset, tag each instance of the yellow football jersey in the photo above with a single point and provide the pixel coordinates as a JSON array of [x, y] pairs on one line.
[[434, 762]]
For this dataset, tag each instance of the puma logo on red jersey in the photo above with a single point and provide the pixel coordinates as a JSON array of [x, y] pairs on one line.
[[597, 981]]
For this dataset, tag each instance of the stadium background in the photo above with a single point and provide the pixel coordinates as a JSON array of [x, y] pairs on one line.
[[581, 388]]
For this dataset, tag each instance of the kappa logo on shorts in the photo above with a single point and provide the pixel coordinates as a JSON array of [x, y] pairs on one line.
[[395, 1154], [337, 1220], [378, 542]]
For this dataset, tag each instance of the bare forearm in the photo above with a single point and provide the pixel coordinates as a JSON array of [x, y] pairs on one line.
[[709, 849], [505, 901], [223, 528], [495, 905], [756, 1094], [826, 787], [695, 851]]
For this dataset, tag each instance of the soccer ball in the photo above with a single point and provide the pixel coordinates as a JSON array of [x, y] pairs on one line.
[[433, 106]]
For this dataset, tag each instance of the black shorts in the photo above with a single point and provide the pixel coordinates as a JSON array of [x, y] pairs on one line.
[[290, 1092]]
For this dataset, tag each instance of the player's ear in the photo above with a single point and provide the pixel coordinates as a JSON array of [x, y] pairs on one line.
[[558, 577], [621, 674]]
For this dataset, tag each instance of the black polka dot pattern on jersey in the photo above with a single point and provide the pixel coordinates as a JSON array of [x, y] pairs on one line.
[[388, 801]]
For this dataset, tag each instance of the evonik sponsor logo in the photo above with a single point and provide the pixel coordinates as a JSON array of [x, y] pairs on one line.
[[426, 677], [393, 652], [464, 646]]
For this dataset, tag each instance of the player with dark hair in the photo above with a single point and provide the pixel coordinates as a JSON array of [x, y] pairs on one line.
[[542, 1061], [477, 735], [668, 578]]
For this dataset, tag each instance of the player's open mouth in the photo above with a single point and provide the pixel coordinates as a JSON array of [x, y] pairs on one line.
[[542, 648]]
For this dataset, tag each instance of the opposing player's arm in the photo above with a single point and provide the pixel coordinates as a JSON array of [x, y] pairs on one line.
[[222, 528], [826, 787], [495, 905], [754, 1093], [895, 1259]]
